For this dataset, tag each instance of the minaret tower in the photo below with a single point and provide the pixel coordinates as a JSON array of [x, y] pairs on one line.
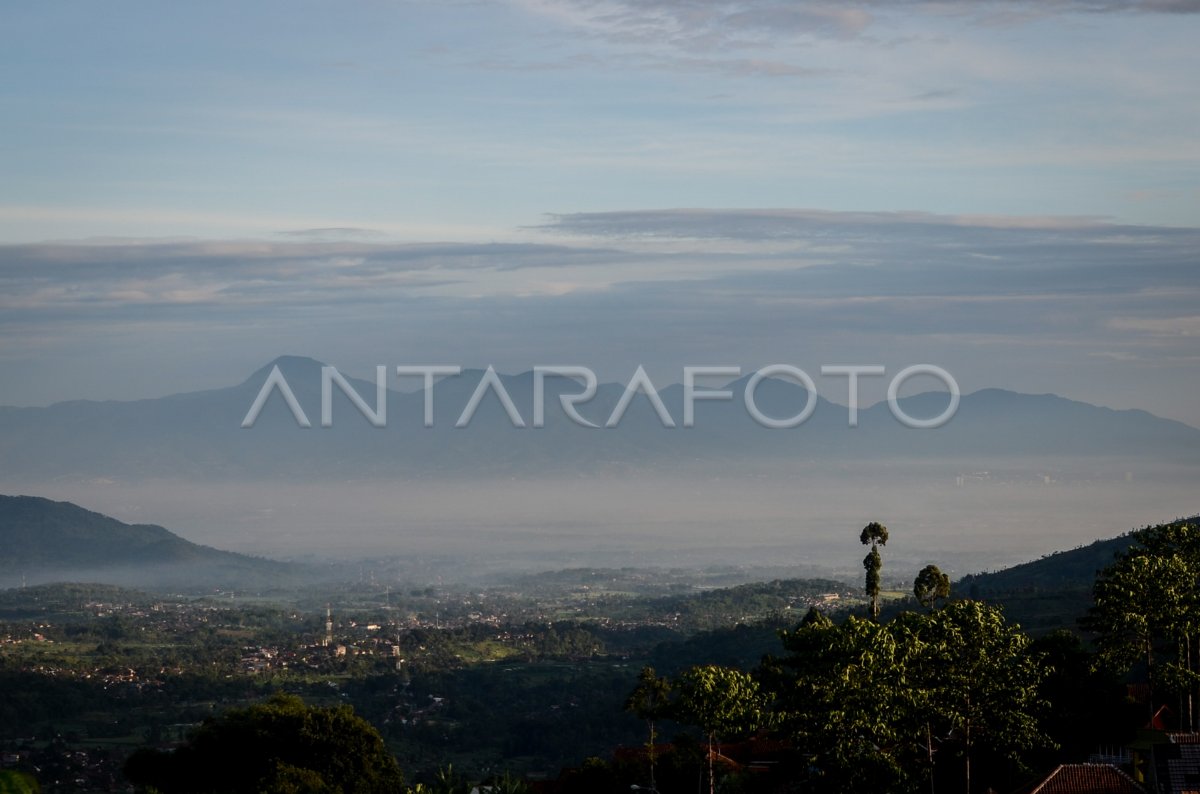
[[328, 627]]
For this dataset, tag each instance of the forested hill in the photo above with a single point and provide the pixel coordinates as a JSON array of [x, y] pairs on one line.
[[1071, 569], [1055, 591], [45, 540]]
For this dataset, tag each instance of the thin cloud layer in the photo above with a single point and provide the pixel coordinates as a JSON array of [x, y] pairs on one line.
[[716, 25], [1040, 304], [110, 275]]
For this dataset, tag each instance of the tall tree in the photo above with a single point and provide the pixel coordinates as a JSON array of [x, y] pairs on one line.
[[720, 701], [875, 534], [649, 701], [1146, 607], [980, 682], [930, 585], [842, 697]]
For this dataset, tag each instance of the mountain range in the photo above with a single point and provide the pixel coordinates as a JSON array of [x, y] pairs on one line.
[[199, 434]]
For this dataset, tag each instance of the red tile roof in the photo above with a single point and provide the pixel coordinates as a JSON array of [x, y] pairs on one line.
[[1085, 779]]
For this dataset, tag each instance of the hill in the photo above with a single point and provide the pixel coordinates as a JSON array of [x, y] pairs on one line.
[[47, 541], [1052, 592], [1063, 570]]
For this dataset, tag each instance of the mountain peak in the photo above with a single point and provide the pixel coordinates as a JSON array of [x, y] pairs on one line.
[[300, 367]]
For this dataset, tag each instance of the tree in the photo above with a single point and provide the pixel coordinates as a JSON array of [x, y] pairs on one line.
[[1146, 607], [980, 682], [877, 535], [843, 698], [864, 700], [720, 701], [17, 783], [649, 701], [930, 585], [1090, 705], [280, 746]]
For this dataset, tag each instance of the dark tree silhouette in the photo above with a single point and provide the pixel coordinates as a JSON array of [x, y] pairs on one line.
[[877, 535], [649, 701], [930, 585], [281, 745]]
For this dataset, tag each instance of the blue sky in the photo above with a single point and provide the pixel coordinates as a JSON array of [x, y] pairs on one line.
[[1007, 189]]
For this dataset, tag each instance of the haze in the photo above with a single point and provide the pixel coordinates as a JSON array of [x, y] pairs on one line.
[[191, 191]]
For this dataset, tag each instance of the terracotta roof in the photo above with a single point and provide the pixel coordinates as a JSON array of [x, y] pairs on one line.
[[1085, 779]]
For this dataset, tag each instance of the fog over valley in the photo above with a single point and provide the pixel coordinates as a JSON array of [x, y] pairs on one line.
[[1009, 477]]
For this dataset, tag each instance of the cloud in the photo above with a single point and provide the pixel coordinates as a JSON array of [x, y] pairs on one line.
[[701, 223], [110, 276], [1039, 303], [710, 25], [738, 67], [1188, 325], [914, 270], [334, 233], [920, 273]]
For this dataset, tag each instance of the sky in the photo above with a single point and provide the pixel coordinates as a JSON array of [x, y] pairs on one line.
[[1009, 190]]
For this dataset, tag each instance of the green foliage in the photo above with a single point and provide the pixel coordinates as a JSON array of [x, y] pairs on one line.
[[447, 781], [1068, 570], [281, 746], [17, 783], [873, 564], [931, 585], [1050, 593], [1146, 608], [285, 778], [981, 683], [1141, 599], [875, 534], [843, 697], [649, 699], [721, 701], [865, 700]]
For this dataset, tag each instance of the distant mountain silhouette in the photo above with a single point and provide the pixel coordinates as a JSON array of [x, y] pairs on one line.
[[199, 434], [45, 541]]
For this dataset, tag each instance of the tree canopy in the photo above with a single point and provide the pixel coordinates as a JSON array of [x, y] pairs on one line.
[[280, 746], [1146, 610], [875, 534], [877, 706], [931, 585]]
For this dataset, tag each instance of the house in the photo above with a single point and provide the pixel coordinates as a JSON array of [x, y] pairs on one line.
[[1177, 764], [1084, 779]]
